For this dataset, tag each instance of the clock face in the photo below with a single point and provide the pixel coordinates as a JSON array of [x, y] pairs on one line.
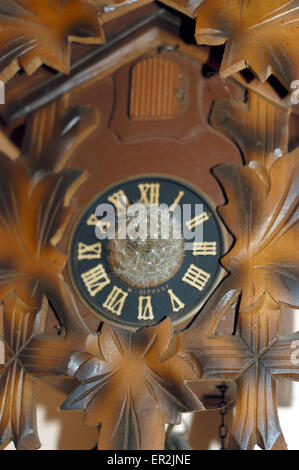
[[144, 249]]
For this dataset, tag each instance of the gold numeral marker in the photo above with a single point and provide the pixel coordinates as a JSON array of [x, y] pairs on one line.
[[92, 220], [145, 308], [196, 277], [89, 251], [204, 248], [115, 300], [176, 201], [95, 222], [176, 303], [95, 279], [149, 193], [119, 200], [199, 219]]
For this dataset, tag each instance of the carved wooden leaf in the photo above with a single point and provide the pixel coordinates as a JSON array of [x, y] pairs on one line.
[[33, 209], [204, 341], [27, 354], [252, 357], [33, 32], [131, 390], [18, 414], [265, 223], [52, 135], [35, 193], [260, 35], [258, 127], [31, 213], [256, 419]]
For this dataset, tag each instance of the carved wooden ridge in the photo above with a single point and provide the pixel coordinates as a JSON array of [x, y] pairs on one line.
[[33, 214], [262, 213], [259, 36], [35, 32], [130, 389]]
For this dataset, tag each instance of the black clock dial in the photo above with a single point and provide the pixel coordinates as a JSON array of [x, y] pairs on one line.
[[145, 249]]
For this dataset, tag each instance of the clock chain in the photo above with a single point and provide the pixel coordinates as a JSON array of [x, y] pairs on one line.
[[223, 408]]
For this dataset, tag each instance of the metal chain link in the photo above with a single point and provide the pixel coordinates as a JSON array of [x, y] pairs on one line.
[[223, 428]]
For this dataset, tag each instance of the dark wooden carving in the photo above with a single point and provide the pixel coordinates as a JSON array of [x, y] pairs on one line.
[[34, 32], [35, 194], [258, 127], [262, 213], [264, 220], [131, 384], [257, 35], [131, 389], [254, 356], [29, 352]]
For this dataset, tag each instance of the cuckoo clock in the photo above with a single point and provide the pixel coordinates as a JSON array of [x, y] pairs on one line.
[[149, 175]]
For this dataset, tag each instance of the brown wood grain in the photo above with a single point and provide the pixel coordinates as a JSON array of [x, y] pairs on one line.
[[261, 36], [141, 391], [33, 33], [37, 337], [236, 150], [154, 89]]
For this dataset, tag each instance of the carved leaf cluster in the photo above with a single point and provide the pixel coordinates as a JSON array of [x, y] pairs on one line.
[[132, 384], [35, 192], [34, 202], [265, 223], [35, 32], [31, 212], [253, 357], [237, 335], [132, 389], [258, 35], [27, 352], [126, 388]]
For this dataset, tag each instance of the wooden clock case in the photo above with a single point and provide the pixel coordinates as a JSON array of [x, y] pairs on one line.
[[83, 127]]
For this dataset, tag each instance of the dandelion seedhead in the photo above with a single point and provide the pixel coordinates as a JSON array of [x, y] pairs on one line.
[[150, 255]]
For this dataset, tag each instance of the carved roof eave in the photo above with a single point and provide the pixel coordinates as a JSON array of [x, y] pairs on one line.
[[31, 35], [151, 31]]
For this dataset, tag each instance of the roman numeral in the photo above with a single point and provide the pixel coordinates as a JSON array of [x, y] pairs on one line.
[[196, 277], [149, 193], [145, 308], [92, 220], [95, 222], [115, 300], [95, 279], [176, 303], [119, 200], [176, 201], [199, 219], [204, 248], [89, 251]]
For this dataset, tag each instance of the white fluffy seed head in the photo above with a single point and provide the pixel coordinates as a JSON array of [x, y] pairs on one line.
[[147, 258]]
